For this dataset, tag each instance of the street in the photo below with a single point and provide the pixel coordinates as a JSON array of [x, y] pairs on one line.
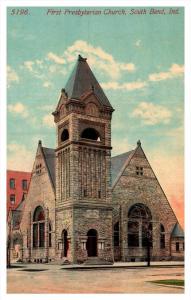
[[43, 278]]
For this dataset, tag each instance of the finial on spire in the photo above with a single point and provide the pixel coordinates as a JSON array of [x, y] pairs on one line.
[[40, 143], [138, 143], [80, 58], [63, 92]]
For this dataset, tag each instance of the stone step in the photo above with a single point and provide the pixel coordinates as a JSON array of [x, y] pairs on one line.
[[97, 261]]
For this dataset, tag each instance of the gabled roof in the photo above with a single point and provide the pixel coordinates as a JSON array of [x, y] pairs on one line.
[[82, 80], [117, 163], [177, 231], [50, 159], [21, 204]]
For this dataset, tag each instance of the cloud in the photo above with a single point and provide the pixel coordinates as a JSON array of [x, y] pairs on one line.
[[55, 58], [29, 65], [174, 71], [98, 58], [47, 84], [12, 76], [152, 114], [47, 107], [138, 43], [18, 109], [48, 120], [129, 86], [19, 158], [120, 146]]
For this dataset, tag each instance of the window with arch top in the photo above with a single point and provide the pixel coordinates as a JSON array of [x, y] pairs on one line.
[[91, 134], [64, 135], [139, 226], [38, 227], [162, 236]]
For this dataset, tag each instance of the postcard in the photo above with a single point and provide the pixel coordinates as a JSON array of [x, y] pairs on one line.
[[95, 150]]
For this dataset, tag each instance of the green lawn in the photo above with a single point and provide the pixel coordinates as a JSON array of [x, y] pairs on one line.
[[177, 282]]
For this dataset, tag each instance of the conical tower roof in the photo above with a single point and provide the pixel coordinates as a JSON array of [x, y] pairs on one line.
[[82, 80]]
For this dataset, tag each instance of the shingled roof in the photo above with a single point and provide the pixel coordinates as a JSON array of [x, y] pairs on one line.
[[177, 231], [50, 158], [83, 80], [117, 162]]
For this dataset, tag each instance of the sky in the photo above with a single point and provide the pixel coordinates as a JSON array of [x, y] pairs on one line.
[[137, 58]]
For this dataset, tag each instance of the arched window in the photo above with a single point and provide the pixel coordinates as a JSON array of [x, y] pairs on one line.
[[38, 227], [139, 226], [65, 244], [133, 234], [90, 134], [64, 135], [116, 234], [162, 237]]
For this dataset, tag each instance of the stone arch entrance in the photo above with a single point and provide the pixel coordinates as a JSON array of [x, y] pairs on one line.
[[65, 244], [91, 244]]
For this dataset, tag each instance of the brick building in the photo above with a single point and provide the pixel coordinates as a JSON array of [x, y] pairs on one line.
[[83, 205], [17, 187]]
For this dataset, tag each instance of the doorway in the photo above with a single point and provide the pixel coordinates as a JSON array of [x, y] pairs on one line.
[[64, 243], [91, 244]]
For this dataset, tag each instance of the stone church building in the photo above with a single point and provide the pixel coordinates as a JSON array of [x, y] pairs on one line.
[[84, 205]]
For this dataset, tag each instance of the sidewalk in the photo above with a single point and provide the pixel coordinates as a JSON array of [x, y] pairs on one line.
[[128, 265]]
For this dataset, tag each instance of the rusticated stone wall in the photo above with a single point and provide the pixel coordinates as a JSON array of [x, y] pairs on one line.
[[131, 189]]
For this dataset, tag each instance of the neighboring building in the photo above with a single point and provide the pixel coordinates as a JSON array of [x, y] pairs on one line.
[[83, 205], [17, 187]]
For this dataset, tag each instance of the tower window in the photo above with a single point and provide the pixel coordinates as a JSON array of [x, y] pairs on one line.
[[177, 247], [90, 134], [85, 193], [64, 135]]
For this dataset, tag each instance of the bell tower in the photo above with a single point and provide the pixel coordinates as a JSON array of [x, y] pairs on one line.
[[83, 169]]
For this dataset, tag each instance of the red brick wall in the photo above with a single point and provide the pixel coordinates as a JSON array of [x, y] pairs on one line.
[[18, 190]]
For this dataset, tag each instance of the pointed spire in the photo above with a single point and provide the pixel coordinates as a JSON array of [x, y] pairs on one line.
[[81, 81]]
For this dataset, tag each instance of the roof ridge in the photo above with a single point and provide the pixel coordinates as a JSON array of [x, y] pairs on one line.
[[122, 153], [48, 148]]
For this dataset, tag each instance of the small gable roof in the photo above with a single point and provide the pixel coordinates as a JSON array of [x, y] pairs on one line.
[[177, 231]]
